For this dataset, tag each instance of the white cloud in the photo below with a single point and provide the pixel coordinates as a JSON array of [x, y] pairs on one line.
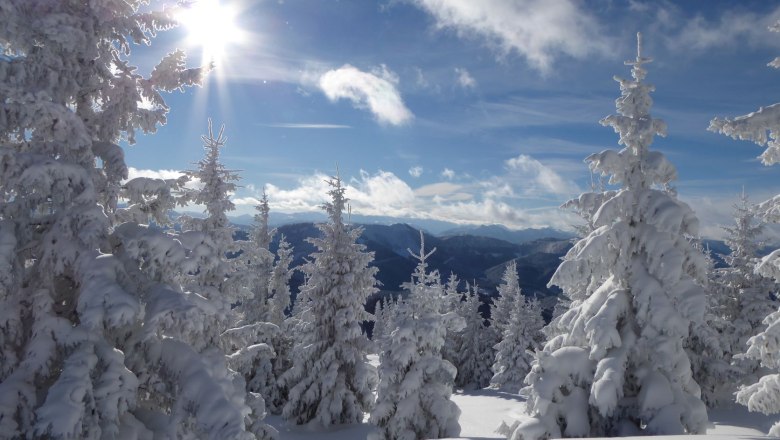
[[309, 195], [245, 201], [132, 173], [465, 79], [441, 189], [448, 174], [539, 30], [540, 177], [416, 171], [375, 91], [380, 194]]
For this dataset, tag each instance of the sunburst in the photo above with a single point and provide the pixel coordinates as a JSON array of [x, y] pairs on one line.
[[212, 26]]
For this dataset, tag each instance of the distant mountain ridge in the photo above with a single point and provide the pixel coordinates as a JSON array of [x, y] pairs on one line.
[[474, 259], [501, 232], [435, 227]]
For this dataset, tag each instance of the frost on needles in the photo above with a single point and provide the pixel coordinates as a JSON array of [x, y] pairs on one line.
[[621, 369]]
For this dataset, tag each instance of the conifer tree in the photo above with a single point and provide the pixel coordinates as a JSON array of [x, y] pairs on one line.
[[330, 380], [746, 297], [415, 383], [509, 292], [521, 338], [212, 237], [92, 316], [282, 341], [257, 267], [621, 368], [475, 349], [762, 396], [384, 319], [708, 346], [452, 304], [279, 283]]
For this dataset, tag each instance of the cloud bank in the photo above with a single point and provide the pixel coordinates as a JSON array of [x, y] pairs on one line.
[[526, 194]]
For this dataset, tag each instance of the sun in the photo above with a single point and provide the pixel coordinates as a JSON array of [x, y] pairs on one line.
[[212, 26]]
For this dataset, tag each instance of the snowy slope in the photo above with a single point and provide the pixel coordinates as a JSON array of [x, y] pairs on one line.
[[482, 411]]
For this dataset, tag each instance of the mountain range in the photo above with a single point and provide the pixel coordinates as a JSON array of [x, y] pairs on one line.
[[474, 259]]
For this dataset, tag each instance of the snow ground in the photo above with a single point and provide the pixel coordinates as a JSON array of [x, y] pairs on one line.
[[482, 411]]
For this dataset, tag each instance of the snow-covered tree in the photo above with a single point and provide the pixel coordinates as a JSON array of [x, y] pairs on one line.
[[241, 332], [260, 314], [452, 303], [521, 338], [707, 344], [212, 237], [256, 267], [746, 297], [384, 318], [282, 341], [509, 292], [330, 381], [764, 395], [91, 315], [475, 349], [415, 383], [279, 283], [621, 368]]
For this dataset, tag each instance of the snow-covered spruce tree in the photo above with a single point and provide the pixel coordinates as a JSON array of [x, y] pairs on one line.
[[707, 344], [249, 275], [510, 295], [475, 351], [331, 381], [212, 237], [415, 383], [746, 297], [521, 338], [621, 369], [282, 341], [158, 260], [279, 283], [241, 332], [256, 266], [384, 319], [509, 292], [452, 303], [762, 396], [90, 313]]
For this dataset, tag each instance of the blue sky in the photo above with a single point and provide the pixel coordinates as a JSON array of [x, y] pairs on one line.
[[466, 111]]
